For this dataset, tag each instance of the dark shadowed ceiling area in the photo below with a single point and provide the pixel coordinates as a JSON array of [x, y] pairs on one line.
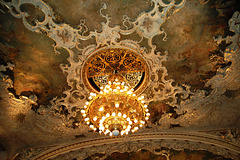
[[193, 90]]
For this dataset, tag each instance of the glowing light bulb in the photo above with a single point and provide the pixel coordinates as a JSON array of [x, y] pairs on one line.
[[90, 97], [124, 116], [129, 92], [87, 103], [107, 115], [119, 114], [88, 122], [101, 109], [130, 122], [91, 126], [128, 119], [142, 122], [86, 119], [148, 114], [143, 101], [101, 128], [83, 111], [113, 114], [95, 118], [85, 106], [84, 115], [117, 105], [110, 134], [135, 120], [145, 106], [146, 118]]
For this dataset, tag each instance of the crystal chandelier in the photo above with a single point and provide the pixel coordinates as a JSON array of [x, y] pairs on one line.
[[116, 109]]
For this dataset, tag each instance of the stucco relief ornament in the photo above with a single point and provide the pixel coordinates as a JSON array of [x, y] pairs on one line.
[[149, 23], [228, 77], [108, 36], [63, 35], [200, 106]]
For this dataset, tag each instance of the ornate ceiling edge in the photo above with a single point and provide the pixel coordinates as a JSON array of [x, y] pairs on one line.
[[135, 142]]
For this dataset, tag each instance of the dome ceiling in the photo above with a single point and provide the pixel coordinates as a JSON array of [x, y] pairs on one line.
[[189, 59]]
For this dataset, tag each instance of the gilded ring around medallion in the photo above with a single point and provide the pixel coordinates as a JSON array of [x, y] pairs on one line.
[[106, 61]]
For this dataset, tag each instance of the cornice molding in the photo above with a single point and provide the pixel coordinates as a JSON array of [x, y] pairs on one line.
[[175, 140]]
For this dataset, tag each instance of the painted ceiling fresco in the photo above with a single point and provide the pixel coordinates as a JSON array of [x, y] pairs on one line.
[[193, 92]]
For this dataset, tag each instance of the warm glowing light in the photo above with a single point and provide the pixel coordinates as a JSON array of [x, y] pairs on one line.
[[116, 110], [117, 105], [82, 111], [95, 118]]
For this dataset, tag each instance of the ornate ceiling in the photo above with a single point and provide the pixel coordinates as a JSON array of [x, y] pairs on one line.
[[191, 57]]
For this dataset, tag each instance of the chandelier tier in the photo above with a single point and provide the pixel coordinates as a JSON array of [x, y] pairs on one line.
[[116, 109]]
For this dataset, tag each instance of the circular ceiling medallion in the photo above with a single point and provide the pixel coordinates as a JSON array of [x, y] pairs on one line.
[[104, 62]]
